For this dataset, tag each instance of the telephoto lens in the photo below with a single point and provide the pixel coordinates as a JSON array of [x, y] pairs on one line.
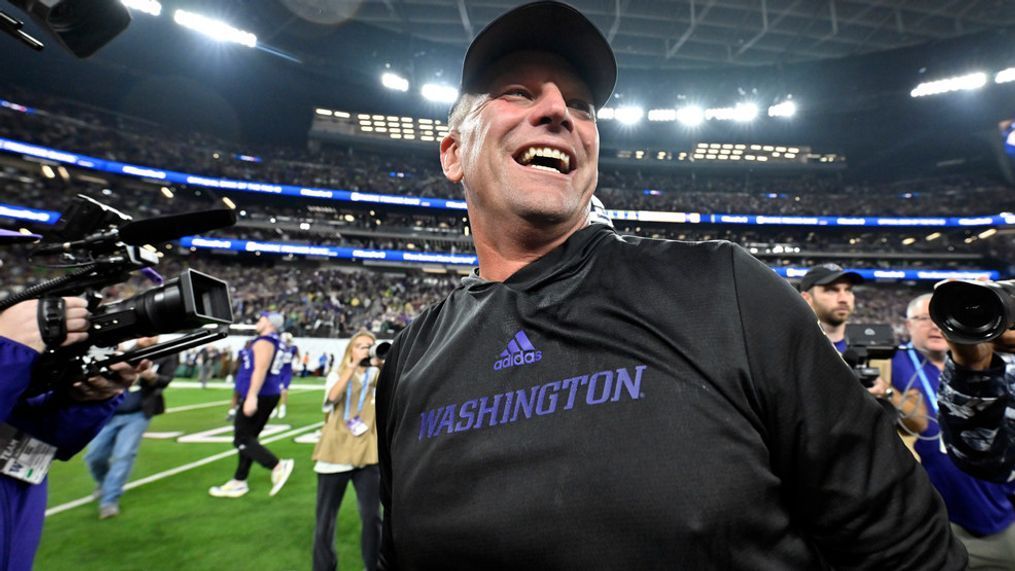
[[971, 312]]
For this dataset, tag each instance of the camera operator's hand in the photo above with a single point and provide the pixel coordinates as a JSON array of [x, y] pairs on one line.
[[250, 405], [21, 323], [101, 387], [880, 388], [977, 356]]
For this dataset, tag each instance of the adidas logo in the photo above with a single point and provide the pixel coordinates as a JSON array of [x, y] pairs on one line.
[[519, 352]]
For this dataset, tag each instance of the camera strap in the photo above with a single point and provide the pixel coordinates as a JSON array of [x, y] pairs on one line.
[[52, 324]]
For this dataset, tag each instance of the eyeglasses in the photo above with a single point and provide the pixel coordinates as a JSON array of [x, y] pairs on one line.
[[921, 319]]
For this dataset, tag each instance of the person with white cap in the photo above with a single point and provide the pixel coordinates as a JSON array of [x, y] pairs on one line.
[[258, 400], [587, 400]]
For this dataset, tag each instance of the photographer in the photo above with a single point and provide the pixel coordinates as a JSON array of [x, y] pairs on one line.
[[981, 513], [65, 421], [978, 407], [347, 451]]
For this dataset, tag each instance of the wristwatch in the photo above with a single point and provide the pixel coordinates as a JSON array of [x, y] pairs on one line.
[[889, 392]]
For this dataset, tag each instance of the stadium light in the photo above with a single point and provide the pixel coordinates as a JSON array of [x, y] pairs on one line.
[[742, 113], [691, 115], [150, 7], [630, 115], [662, 115], [960, 83], [1005, 75], [214, 29], [607, 113], [439, 93], [784, 109], [394, 81]]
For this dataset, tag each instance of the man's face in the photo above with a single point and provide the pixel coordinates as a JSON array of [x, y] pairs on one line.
[[262, 325], [923, 332], [832, 303], [530, 150]]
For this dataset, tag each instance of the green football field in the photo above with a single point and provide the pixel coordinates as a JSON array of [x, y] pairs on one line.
[[168, 520]]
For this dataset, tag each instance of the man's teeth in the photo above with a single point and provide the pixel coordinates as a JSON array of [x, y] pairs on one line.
[[542, 168], [548, 153]]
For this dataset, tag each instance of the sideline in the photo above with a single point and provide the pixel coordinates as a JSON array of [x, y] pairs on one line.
[[179, 469]]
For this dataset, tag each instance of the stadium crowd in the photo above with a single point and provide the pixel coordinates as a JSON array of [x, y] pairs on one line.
[[115, 137]]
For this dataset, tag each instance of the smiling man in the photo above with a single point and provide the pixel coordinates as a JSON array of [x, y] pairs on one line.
[[586, 400]]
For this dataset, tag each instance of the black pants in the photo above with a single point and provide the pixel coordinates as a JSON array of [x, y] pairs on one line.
[[330, 489], [245, 433]]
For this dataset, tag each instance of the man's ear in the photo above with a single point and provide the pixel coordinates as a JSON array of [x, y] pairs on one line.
[[451, 159], [806, 296]]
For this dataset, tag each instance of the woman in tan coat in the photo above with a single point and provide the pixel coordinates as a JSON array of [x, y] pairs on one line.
[[347, 451]]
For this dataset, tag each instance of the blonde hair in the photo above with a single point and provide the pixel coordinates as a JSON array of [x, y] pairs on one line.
[[352, 340]]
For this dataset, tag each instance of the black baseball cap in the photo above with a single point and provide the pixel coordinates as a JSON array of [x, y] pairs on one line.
[[552, 27], [826, 274]]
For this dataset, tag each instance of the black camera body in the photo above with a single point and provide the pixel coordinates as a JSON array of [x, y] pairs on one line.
[[865, 343], [104, 247], [971, 312]]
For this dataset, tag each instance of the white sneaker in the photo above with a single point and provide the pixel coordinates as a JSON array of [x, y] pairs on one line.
[[231, 489], [280, 474]]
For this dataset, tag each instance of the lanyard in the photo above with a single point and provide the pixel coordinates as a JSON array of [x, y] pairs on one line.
[[928, 390], [362, 395]]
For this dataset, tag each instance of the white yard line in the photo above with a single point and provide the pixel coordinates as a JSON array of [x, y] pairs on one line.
[[294, 389], [172, 472]]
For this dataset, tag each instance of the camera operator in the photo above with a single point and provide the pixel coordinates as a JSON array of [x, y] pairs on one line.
[[977, 407], [39, 428], [981, 513], [828, 289]]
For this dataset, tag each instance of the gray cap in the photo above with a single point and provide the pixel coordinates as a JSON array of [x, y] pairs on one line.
[[274, 318]]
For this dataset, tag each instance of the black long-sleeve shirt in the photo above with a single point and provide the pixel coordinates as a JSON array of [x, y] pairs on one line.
[[641, 404]]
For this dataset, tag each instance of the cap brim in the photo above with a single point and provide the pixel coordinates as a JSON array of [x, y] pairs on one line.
[[851, 277], [545, 27]]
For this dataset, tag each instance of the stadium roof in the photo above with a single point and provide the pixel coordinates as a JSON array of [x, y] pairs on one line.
[[691, 34]]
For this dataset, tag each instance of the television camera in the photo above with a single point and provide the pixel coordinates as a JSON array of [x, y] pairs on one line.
[[865, 343], [101, 247]]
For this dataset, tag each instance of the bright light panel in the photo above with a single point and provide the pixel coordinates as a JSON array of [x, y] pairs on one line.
[[214, 29], [960, 83], [606, 113], [743, 112], [147, 6], [691, 115], [394, 81], [439, 93], [629, 115], [662, 114], [784, 109], [1005, 75]]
